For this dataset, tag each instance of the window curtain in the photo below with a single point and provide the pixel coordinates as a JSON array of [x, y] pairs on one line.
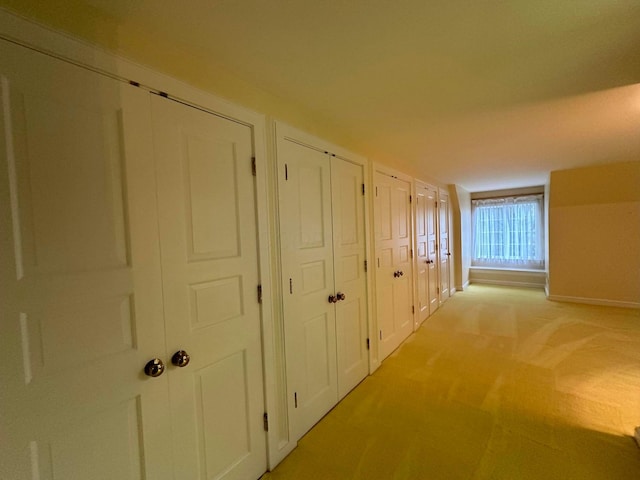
[[508, 232]]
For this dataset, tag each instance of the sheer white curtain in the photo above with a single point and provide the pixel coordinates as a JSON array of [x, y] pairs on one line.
[[508, 232]]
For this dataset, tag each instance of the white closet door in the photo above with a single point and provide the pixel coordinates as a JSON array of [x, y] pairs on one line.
[[432, 247], [347, 180], [308, 281], [445, 253], [210, 276], [422, 251], [81, 294], [393, 261]]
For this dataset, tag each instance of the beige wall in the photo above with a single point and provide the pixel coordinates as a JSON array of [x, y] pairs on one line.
[[461, 216], [594, 234]]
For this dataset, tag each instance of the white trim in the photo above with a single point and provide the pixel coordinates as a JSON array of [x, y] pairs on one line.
[[593, 301], [508, 283], [49, 42], [391, 172]]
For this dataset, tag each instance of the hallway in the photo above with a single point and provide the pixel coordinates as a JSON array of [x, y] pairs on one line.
[[498, 384]]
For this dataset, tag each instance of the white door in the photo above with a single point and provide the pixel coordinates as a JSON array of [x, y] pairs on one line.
[[393, 262], [445, 253], [422, 258], [426, 256], [81, 309], [347, 180], [209, 253], [307, 283], [432, 248]]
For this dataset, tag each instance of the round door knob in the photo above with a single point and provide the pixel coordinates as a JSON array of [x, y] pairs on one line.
[[340, 296], [154, 367], [400, 273], [332, 299], [180, 358]]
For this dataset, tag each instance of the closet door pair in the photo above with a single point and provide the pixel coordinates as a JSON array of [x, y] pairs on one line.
[[394, 269], [322, 232], [128, 236]]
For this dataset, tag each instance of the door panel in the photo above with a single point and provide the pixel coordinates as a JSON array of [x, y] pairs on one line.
[[445, 253], [422, 257], [350, 279], [393, 261], [308, 280], [80, 277], [210, 275], [428, 261]]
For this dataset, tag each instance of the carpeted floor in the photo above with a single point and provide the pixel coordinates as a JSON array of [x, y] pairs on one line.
[[498, 384]]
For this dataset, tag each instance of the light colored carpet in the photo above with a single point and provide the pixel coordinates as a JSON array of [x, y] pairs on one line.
[[498, 384]]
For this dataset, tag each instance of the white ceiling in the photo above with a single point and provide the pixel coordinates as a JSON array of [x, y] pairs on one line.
[[484, 94]]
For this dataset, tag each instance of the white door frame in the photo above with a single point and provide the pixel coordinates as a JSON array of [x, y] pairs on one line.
[[60, 45]]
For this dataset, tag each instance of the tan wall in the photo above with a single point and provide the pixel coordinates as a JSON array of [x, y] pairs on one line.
[[461, 217], [94, 25], [594, 234]]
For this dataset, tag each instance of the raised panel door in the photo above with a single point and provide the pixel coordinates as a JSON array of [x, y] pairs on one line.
[[80, 275], [209, 251], [444, 247], [393, 261], [349, 249], [432, 248], [422, 252], [308, 281]]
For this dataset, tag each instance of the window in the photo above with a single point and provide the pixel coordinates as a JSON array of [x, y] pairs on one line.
[[508, 232]]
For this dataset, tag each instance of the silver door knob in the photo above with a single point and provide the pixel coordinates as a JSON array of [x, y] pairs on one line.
[[154, 367], [180, 358]]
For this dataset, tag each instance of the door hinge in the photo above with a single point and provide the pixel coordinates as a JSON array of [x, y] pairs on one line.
[[365, 266], [295, 399], [259, 293], [438, 290], [368, 344], [411, 252], [253, 166], [436, 204], [410, 199], [380, 334], [291, 286], [363, 189], [265, 422], [376, 191], [286, 172], [413, 309]]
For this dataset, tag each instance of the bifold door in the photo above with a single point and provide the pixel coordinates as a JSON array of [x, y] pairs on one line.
[[98, 279], [324, 284]]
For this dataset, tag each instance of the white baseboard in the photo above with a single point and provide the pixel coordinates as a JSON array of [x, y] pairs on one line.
[[593, 301], [507, 283]]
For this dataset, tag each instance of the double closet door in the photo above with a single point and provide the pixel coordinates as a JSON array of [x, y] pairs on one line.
[[394, 272], [323, 252], [130, 327], [444, 248], [427, 259]]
